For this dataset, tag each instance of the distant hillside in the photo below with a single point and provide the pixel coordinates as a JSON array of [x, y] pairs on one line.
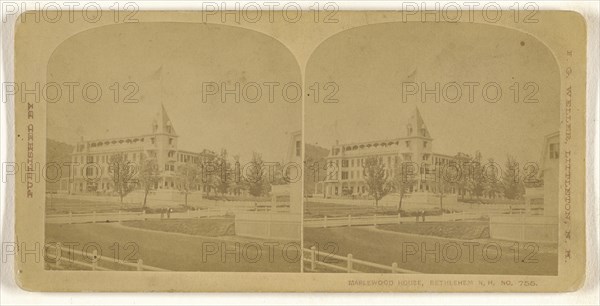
[[57, 152], [314, 155]]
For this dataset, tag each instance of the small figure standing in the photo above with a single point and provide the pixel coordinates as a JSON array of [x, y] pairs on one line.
[[423, 216], [162, 213], [169, 213]]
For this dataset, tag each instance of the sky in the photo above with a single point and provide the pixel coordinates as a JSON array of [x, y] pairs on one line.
[[169, 63], [371, 63]]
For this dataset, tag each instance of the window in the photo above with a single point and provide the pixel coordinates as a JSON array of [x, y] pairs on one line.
[[153, 140], [424, 144], [407, 143], [170, 141], [554, 150], [352, 163], [344, 163], [298, 148], [166, 167], [344, 175]]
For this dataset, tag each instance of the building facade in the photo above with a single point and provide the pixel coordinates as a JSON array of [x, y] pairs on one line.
[[92, 173], [539, 221], [345, 175]]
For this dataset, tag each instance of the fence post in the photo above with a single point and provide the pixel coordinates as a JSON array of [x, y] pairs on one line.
[[94, 216], [58, 254], [375, 219], [94, 260], [399, 220], [313, 258], [394, 268], [349, 263], [140, 263], [325, 221], [70, 217]]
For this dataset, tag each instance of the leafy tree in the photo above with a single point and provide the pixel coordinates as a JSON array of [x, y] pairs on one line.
[[492, 173], [257, 176], [188, 177], [401, 182], [122, 173], [446, 178], [224, 177], [376, 178], [511, 184], [237, 184], [148, 177], [475, 179]]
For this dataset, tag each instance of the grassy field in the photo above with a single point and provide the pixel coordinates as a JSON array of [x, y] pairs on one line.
[[175, 251], [387, 247], [65, 205], [318, 210], [459, 230], [202, 227]]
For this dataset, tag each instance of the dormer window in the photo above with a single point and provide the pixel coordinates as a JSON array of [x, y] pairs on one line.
[[554, 149], [409, 129], [298, 148]]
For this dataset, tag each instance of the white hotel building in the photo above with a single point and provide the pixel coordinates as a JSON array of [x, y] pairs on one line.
[[346, 178], [160, 143]]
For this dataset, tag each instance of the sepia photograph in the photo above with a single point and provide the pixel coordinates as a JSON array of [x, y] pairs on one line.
[[183, 174], [429, 163], [299, 149]]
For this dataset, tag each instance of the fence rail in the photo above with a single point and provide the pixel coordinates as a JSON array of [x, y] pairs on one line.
[[95, 260], [349, 263], [119, 216], [375, 219]]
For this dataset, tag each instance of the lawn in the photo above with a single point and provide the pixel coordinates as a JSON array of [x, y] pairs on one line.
[[175, 251], [459, 230], [213, 227], [443, 256], [318, 210]]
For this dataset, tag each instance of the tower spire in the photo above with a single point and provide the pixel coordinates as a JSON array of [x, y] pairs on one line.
[[416, 125]]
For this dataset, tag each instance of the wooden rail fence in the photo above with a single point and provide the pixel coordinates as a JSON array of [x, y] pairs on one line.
[[349, 264], [95, 260]]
